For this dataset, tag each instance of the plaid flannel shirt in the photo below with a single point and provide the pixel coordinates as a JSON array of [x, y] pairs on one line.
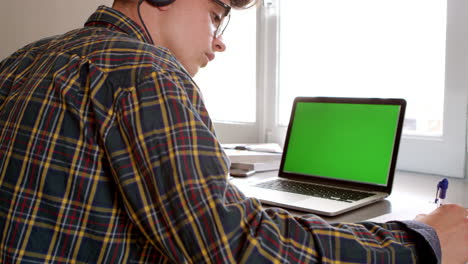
[[108, 155]]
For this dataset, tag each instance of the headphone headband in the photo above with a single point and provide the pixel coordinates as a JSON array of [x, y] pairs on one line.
[[160, 2]]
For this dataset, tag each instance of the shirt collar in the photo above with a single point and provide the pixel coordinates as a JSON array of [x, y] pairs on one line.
[[113, 19]]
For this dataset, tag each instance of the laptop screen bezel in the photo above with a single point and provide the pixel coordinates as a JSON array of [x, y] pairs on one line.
[[343, 183]]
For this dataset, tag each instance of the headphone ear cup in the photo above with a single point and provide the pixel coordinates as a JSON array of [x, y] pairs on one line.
[[160, 2]]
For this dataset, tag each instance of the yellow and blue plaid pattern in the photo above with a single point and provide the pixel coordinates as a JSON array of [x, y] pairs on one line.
[[108, 155]]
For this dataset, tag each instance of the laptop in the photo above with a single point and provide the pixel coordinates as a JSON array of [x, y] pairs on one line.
[[339, 154]]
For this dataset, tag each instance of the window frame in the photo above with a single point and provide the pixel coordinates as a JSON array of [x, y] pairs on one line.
[[444, 155]]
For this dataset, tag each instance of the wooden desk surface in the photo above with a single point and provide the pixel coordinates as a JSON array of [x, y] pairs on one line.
[[412, 194]]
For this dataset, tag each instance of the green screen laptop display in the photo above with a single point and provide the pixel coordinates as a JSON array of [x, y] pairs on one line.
[[352, 142]]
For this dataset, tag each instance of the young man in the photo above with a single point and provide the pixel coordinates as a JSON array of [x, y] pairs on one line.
[[107, 155]]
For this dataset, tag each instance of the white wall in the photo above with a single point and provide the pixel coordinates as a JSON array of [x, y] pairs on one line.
[[25, 21]]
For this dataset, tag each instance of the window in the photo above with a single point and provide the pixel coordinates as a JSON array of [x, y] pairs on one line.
[[366, 48], [230, 80]]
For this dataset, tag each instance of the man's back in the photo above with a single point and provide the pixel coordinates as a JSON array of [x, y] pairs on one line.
[[60, 141]]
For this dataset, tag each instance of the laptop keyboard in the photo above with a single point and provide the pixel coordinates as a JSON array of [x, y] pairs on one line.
[[315, 190]]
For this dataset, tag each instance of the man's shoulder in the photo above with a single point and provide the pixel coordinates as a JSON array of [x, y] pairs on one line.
[[113, 51], [107, 49]]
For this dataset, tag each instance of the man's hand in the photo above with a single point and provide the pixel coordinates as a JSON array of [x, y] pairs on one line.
[[451, 224]]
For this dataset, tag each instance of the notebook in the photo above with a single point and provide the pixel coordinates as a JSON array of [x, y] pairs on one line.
[[339, 154]]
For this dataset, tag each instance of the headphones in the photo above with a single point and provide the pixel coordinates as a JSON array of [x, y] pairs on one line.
[[160, 2]]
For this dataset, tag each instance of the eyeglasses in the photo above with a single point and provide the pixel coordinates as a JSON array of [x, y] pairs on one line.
[[224, 20]]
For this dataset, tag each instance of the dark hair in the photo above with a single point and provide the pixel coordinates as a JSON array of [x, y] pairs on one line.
[[242, 4]]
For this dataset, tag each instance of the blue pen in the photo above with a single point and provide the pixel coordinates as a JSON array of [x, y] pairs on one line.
[[441, 193]]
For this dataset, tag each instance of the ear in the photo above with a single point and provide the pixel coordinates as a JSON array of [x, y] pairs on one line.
[[164, 8]]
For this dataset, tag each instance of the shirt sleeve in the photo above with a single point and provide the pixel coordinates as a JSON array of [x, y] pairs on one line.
[[171, 173], [426, 240]]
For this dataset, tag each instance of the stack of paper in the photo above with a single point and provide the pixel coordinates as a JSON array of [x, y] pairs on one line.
[[256, 166], [246, 160]]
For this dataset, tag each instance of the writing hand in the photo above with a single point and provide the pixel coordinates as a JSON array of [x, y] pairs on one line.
[[451, 225]]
